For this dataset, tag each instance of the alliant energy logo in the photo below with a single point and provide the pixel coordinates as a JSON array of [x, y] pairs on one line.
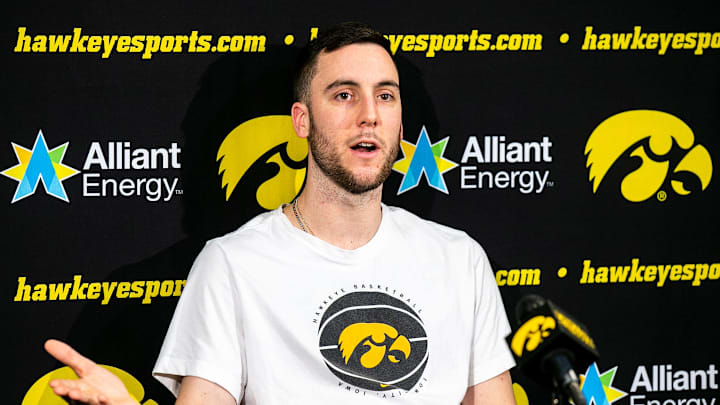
[[663, 148], [423, 158], [41, 394], [124, 157], [482, 155], [111, 169], [658, 384], [488, 163], [40, 164], [597, 388], [268, 140]]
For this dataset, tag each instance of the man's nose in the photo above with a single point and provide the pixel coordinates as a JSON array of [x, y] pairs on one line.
[[368, 114]]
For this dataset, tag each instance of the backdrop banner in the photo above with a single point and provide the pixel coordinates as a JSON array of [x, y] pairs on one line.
[[577, 144]]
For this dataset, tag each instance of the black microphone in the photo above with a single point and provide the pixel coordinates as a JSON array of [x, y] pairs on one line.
[[549, 346]]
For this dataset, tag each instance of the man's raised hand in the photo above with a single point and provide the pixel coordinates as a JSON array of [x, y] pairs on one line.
[[95, 386]]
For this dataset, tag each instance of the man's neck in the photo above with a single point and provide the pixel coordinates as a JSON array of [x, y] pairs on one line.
[[335, 215]]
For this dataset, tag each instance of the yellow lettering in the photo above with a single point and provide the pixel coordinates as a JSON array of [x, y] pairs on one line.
[[39, 292], [522, 277], [39, 43], [650, 272], [152, 288], [576, 330], [93, 291], [701, 273], [678, 40], [59, 291], [179, 285], [152, 45], [94, 43], [23, 41], [179, 41], [166, 288], [500, 277], [107, 291], [166, 43], [714, 271], [588, 273], [483, 42], [408, 43], [23, 291], [137, 289], [436, 42], [602, 275], [676, 271], [108, 44], [122, 289], [652, 41], [663, 272], [421, 42]]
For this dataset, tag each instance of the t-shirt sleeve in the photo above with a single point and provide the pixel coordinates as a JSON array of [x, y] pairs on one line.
[[205, 337], [490, 354]]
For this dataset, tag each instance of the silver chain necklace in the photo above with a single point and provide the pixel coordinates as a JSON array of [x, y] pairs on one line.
[[300, 219]]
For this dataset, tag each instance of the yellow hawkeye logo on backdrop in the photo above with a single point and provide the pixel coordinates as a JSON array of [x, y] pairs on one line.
[[271, 139], [653, 137]]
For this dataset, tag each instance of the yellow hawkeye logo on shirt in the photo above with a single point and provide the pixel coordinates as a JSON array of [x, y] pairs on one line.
[[661, 144], [268, 140], [380, 340]]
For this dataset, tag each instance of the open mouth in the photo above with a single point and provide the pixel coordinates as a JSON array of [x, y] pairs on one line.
[[364, 146]]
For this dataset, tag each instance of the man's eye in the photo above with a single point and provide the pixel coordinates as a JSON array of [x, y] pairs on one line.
[[386, 97], [343, 96]]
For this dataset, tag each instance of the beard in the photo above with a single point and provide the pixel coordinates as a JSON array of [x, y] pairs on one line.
[[328, 160]]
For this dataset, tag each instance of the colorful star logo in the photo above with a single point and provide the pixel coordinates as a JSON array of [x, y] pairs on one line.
[[423, 158], [40, 164], [598, 387]]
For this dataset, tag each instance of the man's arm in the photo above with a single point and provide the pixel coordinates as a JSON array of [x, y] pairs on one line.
[[96, 385], [197, 391], [495, 391]]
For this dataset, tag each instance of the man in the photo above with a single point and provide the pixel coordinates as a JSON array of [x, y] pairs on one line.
[[334, 297]]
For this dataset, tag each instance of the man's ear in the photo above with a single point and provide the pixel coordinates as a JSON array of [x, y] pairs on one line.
[[300, 119], [401, 131]]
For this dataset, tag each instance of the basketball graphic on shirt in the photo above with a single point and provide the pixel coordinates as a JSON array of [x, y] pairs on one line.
[[373, 341]]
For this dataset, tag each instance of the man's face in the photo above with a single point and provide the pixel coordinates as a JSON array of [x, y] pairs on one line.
[[355, 116]]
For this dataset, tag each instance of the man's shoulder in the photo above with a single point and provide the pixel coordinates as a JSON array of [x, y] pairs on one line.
[[255, 230]]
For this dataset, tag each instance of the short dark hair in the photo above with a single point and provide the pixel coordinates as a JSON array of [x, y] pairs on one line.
[[328, 40]]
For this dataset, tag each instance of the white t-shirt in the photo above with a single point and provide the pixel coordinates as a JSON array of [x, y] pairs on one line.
[[277, 316]]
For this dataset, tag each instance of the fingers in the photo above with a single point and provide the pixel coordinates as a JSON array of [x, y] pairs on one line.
[[77, 391], [69, 388], [69, 356]]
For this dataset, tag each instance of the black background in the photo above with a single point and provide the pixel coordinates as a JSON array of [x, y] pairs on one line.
[[196, 99]]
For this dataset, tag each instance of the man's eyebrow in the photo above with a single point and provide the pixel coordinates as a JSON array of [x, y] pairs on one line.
[[340, 83], [390, 83]]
